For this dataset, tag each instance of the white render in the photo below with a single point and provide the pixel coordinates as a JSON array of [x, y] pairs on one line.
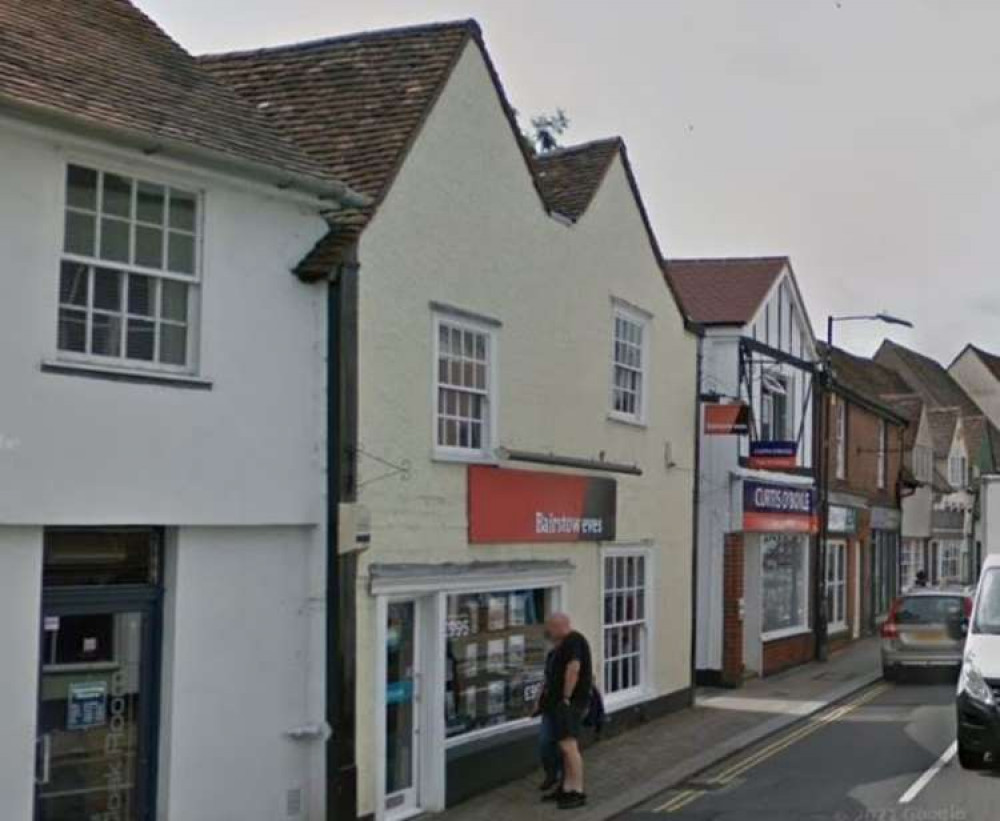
[[978, 381], [463, 225], [234, 473], [720, 503], [918, 504]]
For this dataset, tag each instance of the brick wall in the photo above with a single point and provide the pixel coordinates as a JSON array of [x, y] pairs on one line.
[[781, 654], [732, 621]]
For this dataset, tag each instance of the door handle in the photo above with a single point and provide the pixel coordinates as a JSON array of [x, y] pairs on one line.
[[45, 745]]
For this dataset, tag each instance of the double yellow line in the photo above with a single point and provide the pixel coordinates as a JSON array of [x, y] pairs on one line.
[[734, 771]]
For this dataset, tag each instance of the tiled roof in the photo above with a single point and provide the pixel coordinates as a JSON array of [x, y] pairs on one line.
[[723, 291], [910, 408], [866, 377], [569, 177], [354, 103], [927, 378], [103, 62]]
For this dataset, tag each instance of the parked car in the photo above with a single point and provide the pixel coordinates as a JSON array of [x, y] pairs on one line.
[[924, 629], [979, 682]]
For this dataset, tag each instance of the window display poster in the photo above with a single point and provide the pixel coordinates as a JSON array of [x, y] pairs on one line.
[[517, 609], [469, 702], [495, 656], [497, 613], [471, 606], [86, 706], [496, 698], [471, 660], [515, 652]]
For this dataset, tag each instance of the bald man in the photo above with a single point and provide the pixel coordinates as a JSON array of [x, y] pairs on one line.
[[569, 677]]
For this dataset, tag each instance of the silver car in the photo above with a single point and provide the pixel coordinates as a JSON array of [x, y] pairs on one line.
[[924, 629]]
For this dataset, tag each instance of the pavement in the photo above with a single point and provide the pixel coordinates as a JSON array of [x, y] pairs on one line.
[[630, 769]]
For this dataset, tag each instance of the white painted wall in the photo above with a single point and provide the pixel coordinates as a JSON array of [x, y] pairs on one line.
[[463, 225], [238, 642], [83, 451], [917, 506], [20, 604], [979, 382]]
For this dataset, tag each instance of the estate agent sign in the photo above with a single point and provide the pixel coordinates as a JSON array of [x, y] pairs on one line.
[[528, 506], [771, 508]]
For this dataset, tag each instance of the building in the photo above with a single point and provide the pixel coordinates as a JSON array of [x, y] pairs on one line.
[[523, 435], [978, 373], [757, 513], [866, 441], [965, 448], [162, 523]]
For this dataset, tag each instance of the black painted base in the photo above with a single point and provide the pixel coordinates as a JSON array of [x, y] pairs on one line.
[[479, 766]]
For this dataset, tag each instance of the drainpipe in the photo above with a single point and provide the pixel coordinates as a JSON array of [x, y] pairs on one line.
[[341, 573]]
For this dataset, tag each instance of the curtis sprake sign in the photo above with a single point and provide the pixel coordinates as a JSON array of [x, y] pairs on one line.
[[778, 508], [530, 506]]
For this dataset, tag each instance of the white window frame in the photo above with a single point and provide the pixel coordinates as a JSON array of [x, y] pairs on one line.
[[958, 471], [195, 281], [911, 561], [490, 440], [642, 690], [629, 313], [837, 618], [952, 547], [797, 629], [881, 468], [840, 434]]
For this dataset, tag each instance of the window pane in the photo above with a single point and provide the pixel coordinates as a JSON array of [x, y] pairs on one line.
[[115, 240], [141, 294], [72, 330], [150, 203], [181, 253], [81, 188], [182, 210], [106, 335], [140, 339], [173, 300], [80, 233], [117, 196], [107, 290], [73, 284], [148, 246], [173, 344]]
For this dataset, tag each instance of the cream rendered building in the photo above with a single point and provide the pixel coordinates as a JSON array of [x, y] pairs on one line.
[[524, 437]]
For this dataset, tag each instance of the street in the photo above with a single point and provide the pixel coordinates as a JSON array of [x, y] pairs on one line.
[[885, 753]]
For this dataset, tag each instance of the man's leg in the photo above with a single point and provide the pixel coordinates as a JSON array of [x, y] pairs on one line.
[[548, 749], [572, 765]]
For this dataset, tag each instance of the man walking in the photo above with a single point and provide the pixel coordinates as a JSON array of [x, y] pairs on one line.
[[569, 677]]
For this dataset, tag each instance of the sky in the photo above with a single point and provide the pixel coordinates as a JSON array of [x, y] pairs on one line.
[[859, 137]]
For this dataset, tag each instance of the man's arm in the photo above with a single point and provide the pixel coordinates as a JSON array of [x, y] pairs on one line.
[[572, 677]]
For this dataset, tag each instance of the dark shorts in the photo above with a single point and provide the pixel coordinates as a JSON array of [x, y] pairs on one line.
[[568, 722]]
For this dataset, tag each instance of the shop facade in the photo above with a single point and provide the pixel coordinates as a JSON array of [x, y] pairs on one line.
[[161, 539]]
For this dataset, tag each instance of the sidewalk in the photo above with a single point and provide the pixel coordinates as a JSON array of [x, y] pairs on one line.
[[634, 766]]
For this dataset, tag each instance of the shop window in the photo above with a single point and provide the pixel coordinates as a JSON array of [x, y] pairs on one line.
[[81, 558], [885, 547], [129, 272], [836, 585], [628, 371], [784, 580], [625, 625], [465, 393], [495, 657]]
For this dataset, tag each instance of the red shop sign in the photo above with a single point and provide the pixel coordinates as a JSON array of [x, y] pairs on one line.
[[529, 506]]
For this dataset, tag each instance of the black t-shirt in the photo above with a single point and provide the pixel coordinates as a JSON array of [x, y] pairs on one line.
[[572, 648]]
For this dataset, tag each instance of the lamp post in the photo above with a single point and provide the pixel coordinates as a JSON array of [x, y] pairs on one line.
[[821, 615]]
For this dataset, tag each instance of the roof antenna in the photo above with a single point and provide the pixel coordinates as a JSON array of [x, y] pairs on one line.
[[548, 128]]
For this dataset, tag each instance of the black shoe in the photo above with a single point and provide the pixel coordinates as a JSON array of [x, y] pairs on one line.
[[549, 782], [556, 795], [572, 800]]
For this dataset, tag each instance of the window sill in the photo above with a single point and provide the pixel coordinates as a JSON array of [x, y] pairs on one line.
[[629, 698], [470, 458], [787, 633], [622, 419], [113, 374]]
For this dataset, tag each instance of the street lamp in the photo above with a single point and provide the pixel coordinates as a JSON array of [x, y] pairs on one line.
[[822, 648]]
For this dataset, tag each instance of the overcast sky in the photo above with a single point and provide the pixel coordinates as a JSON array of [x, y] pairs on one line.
[[860, 137]]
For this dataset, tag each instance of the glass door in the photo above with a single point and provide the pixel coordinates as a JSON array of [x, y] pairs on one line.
[[93, 719], [401, 708]]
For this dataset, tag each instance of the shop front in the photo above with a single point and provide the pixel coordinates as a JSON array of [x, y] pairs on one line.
[[843, 566], [768, 588], [885, 560]]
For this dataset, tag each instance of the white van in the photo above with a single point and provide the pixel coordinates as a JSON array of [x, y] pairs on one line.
[[979, 682]]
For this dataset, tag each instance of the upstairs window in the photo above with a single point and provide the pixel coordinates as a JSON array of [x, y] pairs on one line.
[[958, 472], [628, 371], [464, 391], [922, 463], [840, 437], [775, 409], [129, 272], [880, 463]]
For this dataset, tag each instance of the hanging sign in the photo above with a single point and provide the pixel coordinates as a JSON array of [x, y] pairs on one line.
[[529, 506], [773, 455], [727, 420], [771, 508]]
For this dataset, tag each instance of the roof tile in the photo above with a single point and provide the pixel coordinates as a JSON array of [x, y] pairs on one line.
[[723, 291]]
